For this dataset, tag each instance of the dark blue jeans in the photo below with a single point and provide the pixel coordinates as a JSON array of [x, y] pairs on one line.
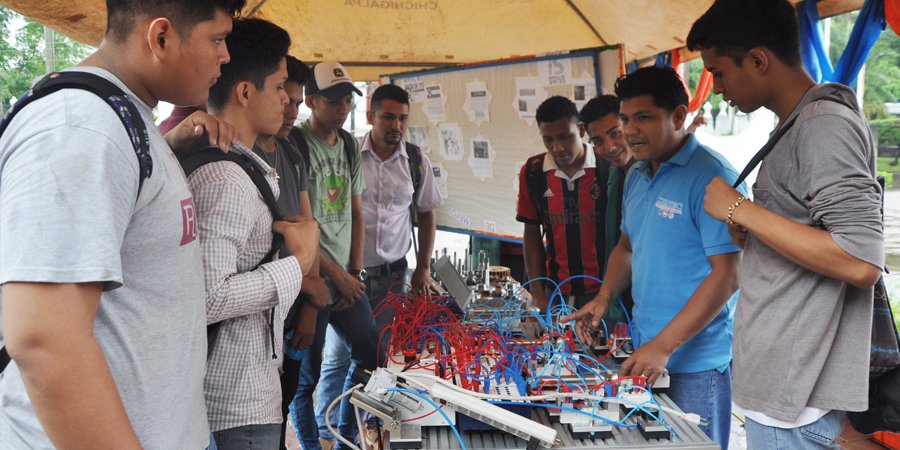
[[355, 325], [336, 362], [249, 437], [707, 394]]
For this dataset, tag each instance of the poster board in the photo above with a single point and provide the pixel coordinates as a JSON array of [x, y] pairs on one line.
[[476, 124]]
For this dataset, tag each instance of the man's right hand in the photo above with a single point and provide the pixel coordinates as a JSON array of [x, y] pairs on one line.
[[588, 318], [301, 238], [349, 287], [304, 326]]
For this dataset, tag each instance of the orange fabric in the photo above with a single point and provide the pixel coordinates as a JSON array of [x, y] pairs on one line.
[[889, 440], [703, 87], [892, 14]]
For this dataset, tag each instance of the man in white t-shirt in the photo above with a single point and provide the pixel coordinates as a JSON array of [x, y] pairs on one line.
[[102, 297]]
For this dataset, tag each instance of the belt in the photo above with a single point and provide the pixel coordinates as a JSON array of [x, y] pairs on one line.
[[386, 269]]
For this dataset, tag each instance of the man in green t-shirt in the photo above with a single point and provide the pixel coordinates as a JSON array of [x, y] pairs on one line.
[[335, 186]]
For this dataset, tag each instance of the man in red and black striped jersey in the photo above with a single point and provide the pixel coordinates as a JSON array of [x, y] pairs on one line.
[[562, 194]]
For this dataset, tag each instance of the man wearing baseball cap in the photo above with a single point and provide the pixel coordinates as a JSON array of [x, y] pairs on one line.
[[335, 191]]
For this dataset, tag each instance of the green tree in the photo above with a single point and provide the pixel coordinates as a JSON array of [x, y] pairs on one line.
[[22, 54], [882, 77]]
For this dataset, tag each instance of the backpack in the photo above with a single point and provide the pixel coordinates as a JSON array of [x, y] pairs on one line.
[[115, 97], [190, 163], [413, 153], [884, 365]]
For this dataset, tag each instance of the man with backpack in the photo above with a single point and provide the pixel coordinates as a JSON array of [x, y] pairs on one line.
[[812, 236], [399, 183], [292, 176], [562, 194], [249, 291], [102, 274], [336, 184]]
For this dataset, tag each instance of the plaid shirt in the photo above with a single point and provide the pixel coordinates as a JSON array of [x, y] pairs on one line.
[[242, 379]]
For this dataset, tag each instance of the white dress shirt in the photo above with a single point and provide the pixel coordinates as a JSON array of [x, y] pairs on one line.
[[386, 202]]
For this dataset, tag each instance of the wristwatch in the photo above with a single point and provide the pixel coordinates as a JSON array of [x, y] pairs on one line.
[[361, 274]]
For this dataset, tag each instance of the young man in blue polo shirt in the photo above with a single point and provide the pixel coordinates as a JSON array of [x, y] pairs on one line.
[[680, 261]]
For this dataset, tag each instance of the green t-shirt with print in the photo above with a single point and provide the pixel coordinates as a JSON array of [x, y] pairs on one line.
[[331, 184]]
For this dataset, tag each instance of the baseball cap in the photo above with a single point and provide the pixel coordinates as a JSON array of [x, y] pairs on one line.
[[331, 80]]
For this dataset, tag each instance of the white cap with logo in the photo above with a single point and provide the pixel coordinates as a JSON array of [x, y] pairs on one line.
[[331, 80]]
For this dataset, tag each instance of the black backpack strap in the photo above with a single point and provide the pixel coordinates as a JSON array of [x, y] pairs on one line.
[[536, 183], [303, 150], [349, 147], [779, 133], [4, 359], [114, 96], [294, 157], [414, 157], [193, 161], [414, 154], [765, 150]]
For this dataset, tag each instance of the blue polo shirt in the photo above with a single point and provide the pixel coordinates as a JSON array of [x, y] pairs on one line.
[[672, 238]]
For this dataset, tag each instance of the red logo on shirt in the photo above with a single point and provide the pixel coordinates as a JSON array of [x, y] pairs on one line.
[[188, 221]]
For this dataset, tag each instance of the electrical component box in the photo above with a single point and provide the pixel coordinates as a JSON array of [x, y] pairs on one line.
[[467, 423]]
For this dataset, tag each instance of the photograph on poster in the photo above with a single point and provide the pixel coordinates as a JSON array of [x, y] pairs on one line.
[[451, 141], [481, 149], [419, 136]]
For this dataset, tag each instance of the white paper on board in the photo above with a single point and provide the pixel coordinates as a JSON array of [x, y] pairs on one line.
[[419, 136], [440, 178], [478, 102], [451, 141], [583, 89], [481, 160], [529, 94], [415, 86], [434, 103], [555, 72]]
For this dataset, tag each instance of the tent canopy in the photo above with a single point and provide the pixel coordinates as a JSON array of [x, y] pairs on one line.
[[375, 37]]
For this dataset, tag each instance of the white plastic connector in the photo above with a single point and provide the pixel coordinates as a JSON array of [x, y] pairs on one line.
[[635, 398], [694, 419]]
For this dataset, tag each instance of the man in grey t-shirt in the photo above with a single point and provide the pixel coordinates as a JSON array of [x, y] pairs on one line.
[[812, 236], [102, 296]]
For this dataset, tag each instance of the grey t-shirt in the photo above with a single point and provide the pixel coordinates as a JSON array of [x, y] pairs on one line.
[[292, 179], [802, 339], [71, 214]]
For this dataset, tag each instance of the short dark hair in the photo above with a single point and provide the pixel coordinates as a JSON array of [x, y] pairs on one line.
[[298, 71], [184, 14], [257, 48], [599, 107], [663, 84], [732, 27], [388, 92], [556, 108]]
